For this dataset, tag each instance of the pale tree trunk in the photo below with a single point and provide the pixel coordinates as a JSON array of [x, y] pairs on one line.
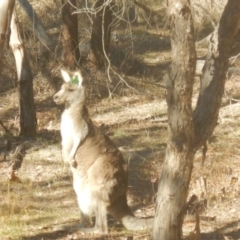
[[71, 52], [9, 30], [6, 9], [188, 131], [25, 82]]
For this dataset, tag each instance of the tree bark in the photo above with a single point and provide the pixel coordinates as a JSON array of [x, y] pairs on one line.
[[235, 48], [101, 34], [25, 84], [214, 72], [187, 131], [178, 163], [37, 25], [71, 52]]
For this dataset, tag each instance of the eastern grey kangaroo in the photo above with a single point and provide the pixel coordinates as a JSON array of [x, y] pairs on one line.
[[99, 171]]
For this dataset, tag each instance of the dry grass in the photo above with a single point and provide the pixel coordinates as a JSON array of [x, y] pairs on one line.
[[136, 121]]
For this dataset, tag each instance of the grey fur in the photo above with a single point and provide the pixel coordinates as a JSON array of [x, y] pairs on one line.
[[99, 170]]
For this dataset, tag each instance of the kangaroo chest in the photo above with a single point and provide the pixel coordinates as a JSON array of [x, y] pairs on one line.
[[74, 130], [67, 126]]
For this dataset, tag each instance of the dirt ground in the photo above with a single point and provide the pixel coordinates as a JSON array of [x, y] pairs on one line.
[[135, 119], [138, 125]]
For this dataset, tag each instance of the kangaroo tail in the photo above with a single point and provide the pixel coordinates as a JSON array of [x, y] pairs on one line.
[[122, 213], [137, 224]]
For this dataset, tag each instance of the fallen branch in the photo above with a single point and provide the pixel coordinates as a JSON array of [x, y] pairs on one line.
[[5, 128], [16, 162]]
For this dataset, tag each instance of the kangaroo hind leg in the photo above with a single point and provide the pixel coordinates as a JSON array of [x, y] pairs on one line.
[[101, 219], [100, 226]]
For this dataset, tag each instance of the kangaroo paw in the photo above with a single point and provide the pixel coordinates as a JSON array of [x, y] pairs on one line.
[[93, 230], [72, 162]]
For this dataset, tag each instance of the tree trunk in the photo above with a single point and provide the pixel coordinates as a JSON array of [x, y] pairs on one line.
[[214, 72], [235, 48], [25, 84], [6, 9], [178, 163], [37, 25], [71, 53], [101, 34], [188, 132]]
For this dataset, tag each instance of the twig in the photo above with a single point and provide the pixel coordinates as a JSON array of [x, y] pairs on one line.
[[108, 60], [204, 151], [233, 59]]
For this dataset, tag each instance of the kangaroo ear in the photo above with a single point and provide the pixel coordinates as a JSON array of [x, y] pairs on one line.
[[65, 75], [79, 77]]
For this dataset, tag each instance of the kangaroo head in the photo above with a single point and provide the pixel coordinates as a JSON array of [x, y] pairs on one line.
[[71, 91]]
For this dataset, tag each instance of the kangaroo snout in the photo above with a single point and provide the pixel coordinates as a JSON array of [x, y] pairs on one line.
[[59, 98], [56, 98]]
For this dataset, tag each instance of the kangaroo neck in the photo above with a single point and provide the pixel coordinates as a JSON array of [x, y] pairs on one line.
[[75, 107], [77, 111]]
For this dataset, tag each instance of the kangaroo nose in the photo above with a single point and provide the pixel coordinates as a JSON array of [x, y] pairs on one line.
[[55, 97]]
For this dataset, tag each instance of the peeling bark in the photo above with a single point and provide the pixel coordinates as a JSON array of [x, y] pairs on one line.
[[178, 163], [6, 9]]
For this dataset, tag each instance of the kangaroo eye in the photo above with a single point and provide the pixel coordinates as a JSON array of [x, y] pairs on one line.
[[70, 89]]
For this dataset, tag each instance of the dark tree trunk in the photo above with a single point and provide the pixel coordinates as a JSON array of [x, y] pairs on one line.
[[37, 25], [25, 84], [235, 48], [214, 72], [71, 53], [101, 34], [187, 133]]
